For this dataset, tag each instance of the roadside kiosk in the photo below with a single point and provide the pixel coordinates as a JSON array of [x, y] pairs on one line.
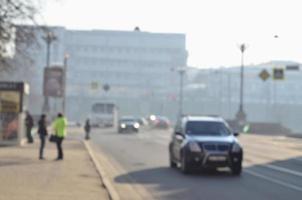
[[13, 103]]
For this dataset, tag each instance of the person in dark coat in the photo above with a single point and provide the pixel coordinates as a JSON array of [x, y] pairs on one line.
[[29, 123], [87, 129], [42, 131]]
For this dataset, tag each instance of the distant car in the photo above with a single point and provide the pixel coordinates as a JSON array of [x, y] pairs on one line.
[[128, 124], [161, 122], [205, 142]]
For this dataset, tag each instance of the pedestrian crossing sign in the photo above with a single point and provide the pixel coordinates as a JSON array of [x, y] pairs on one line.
[[264, 75]]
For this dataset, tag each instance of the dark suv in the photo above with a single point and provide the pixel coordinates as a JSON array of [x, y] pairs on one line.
[[205, 142]]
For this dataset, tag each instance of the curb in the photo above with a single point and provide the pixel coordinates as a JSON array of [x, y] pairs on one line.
[[113, 195]]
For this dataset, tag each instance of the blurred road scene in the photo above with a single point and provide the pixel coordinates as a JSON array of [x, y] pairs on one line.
[[150, 100]]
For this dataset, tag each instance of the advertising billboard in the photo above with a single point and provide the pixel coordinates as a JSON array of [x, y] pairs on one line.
[[10, 102], [53, 81]]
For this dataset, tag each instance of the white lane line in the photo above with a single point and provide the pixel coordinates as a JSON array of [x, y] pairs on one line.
[[278, 168], [273, 157], [282, 169], [288, 185], [298, 159]]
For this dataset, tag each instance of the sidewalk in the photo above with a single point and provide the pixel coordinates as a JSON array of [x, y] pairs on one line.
[[24, 177]]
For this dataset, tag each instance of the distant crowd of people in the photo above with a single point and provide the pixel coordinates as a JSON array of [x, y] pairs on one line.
[[58, 134]]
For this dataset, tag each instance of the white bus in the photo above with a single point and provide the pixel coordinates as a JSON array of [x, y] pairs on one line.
[[103, 115]]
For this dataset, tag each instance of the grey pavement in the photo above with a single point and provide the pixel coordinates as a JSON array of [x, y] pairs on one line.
[[24, 177], [272, 168]]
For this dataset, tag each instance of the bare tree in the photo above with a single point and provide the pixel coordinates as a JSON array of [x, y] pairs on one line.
[[13, 12]]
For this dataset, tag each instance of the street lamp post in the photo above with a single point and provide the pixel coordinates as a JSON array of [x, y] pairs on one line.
[[181, 73], [66, 56], [49, 38], [241, 116]]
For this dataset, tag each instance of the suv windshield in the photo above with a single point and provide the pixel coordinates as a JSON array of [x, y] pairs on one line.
[[203, 128]]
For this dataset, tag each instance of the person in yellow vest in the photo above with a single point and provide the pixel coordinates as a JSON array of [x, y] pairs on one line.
[[59, 126]]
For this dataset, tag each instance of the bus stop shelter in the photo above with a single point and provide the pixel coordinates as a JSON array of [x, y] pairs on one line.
[[13, 103]]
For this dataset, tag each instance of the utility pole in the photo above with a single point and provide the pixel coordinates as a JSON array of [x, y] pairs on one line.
[[66, 56], [241, 116], [49, 38]]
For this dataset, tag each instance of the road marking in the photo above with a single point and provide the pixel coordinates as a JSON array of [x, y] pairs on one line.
[[106, 183], [271, 150], [288, 185], [274, 141], [113, 169], [269, 157], [282, 169], [298, 159], [275, 167]]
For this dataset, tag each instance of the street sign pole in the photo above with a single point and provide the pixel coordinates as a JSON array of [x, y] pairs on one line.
[[264, 75], [241, 116], [49, 38]]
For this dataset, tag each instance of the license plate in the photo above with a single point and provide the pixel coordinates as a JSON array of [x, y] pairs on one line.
[[217, 158]]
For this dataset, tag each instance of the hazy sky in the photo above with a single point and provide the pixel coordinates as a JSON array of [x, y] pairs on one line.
[[214, 28]]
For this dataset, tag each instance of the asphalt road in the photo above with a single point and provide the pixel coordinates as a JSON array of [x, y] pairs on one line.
[[272, 168]]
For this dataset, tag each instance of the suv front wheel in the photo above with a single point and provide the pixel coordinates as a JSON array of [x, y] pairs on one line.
[[236, 169], [172, 163], [185, 168]]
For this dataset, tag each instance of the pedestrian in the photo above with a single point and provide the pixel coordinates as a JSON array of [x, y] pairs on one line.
[[42, 131], [59, 127], [87, 129], [29, 123]]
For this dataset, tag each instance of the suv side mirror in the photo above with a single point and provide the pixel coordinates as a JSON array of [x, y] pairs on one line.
[[179, 137], [178, 133], [236, 134]]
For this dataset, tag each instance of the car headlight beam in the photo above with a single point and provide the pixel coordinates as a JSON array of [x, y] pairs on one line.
[[136, 125], [123, 125]]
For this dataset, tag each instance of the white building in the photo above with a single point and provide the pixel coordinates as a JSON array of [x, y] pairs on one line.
[[269, 101], [137, 65], [130, 61]]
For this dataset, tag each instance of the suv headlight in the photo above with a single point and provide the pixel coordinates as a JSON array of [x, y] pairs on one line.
[[123, 125], [194, 147], [236, 148]]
